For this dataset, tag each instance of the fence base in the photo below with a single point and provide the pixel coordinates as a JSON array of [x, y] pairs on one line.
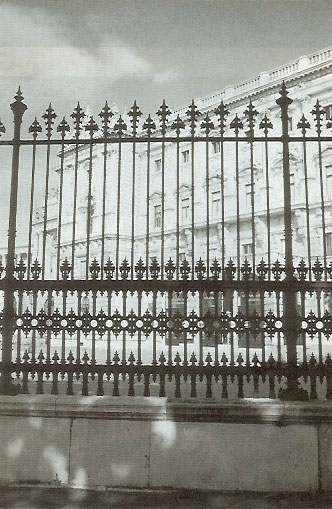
[[293, 394]]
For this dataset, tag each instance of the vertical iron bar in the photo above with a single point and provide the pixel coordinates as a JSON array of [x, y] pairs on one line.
[[238, 241], [307, 204], [74, 209], [222, 191], [88, 221], [132, 256], [118, 209], [177, 254], [48, 153], [162, 205], [6, 387], [192, 207], [32, 190], [252, 204], [268, 217], [207, 207], [321, 178], [103, 209], [58, 261], [293, 392], [148, 161]]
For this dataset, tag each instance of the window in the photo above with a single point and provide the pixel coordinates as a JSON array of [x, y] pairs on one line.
[[248, 195], [328, 242], [328, 111], [292, 185], [213, 253], [216, 147], [157, 216], [83, 267], [290, 123], [51, 306], [157, 165], [247, 248], [328, 170], [185, 156], [215, 203], [85, 304], [185, 209], [90, 213]]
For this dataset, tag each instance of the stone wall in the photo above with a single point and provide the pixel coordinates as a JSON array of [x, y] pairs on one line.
[[89, 442]]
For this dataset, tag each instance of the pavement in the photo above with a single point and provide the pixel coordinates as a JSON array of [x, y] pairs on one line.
[[22, 497]]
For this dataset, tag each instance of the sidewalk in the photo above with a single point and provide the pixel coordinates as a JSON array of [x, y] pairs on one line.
[[60, 498]]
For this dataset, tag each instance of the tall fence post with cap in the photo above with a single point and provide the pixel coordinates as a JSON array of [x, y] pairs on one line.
[[6, 386], [290, 325]]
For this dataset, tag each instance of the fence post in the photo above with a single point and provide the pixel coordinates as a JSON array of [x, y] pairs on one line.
[[6, 386], [290, 325]]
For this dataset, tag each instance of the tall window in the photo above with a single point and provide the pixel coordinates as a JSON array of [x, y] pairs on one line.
[[247, 248], [185, 209], [90, 214], [157, 165], [328, 241], [85, 304], [290, 123], [248, 195], [185, 156], [328, 170], [157, 216], [216, 147], [215, 203], [328, 111], [292, 185]]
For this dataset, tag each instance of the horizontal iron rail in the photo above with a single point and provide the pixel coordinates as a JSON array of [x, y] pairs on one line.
[[145, 139], [165, 285]]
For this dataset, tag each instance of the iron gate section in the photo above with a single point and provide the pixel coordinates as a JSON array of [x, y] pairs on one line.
[[160, 256]]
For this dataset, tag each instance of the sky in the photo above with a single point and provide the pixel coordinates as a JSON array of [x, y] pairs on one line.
[[149, 50]]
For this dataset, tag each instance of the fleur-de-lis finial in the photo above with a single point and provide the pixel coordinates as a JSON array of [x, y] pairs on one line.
[[317, 113], [63, 128], [91, 127], [35, 128], [222, 113], [303, 124], [177, 125], [120, 127], [250, 114], [163, 114], [106, 114], [207, 125], [265, 124], [236, 124], [49, 117], [192, 114], [134, 114], [78, 116], [149, 126]]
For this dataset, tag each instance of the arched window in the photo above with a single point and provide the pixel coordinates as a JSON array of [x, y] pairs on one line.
[[85, 304], [51, 307]]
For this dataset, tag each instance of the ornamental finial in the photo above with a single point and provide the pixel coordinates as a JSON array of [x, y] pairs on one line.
[[18, 107]]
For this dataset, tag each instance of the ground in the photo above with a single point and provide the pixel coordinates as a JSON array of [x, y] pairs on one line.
[[59, 498]]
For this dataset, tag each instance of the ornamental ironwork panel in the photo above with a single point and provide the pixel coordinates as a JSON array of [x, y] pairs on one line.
[[174, 255]]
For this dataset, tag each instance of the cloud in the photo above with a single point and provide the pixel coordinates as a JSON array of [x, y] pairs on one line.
[[49, 52]]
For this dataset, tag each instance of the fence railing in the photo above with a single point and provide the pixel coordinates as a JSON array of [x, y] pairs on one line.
[[151, 263]]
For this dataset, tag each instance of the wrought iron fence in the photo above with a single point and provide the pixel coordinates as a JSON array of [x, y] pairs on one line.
[[153, 266]]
